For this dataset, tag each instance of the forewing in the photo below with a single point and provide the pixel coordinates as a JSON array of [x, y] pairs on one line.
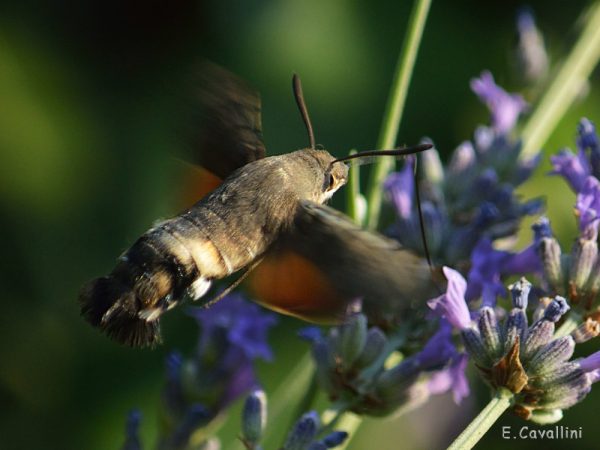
[[359, 263], [225, 131]]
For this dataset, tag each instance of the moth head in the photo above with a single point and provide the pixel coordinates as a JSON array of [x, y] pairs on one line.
[[327, 176], [335, 176]]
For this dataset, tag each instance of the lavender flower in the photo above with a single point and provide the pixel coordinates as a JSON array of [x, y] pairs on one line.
[[473, 197], [576, 168], [451, 305], [199, 389], [575, 274], [505, 108], [350, 367], [489, 265], [451, 379], [400, 187], [529, 360], [306, 434], [588, 207]]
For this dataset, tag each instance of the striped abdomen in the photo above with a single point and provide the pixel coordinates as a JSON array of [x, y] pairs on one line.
[[177, 257]]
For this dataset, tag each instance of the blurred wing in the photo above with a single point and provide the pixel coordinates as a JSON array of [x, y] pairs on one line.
[[226, 130], [361, 263]]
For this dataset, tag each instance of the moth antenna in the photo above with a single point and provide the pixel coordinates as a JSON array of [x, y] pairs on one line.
[[233, 285], [297, 87]]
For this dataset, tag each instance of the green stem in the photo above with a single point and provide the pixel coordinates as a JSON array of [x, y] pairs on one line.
[[353, 208], [289, 392], [306, 402], [335, 416], [349, 422], [569, 325], [484, 420], [565, 87], [395, 107]]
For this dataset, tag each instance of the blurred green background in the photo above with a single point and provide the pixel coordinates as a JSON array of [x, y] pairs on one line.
[[90, 99]]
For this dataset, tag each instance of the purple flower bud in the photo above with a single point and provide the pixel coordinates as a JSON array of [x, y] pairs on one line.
[[486, 182], [583, 259], [551, 355], [132, 439], [586, 135], [304, 432], [525, 20], [588, 207], [173, 397], [573, 168], [254, 417], [475, 347], [463, 159], [520, 293], [525, 261], [244, 324], [490, 332], [590, 363], [504, 107], [334, 439], [400, 187], [525, 168], [173, 363], [531, 53], [438, 350], [311, 334], [489, 294], [452, 304], [432, 165], [374, 345], [556, 309], [351, 340], [541, 228], [587, 138], [567, 390], [549, 252], [539, 334], [488, 264], [324, 361], [452, 378], [562, 373], [392, 383], [486, 215], [484, 139], [515, 327]]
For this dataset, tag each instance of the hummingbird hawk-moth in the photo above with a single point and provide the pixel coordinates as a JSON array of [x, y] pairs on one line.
[[265, 206]]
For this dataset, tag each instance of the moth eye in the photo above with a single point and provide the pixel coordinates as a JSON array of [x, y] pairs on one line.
[[331, 181]]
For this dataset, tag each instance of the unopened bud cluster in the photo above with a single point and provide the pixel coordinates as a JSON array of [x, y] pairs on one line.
[[531, 360], [306, 434], [574, 275], [352, 369]]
